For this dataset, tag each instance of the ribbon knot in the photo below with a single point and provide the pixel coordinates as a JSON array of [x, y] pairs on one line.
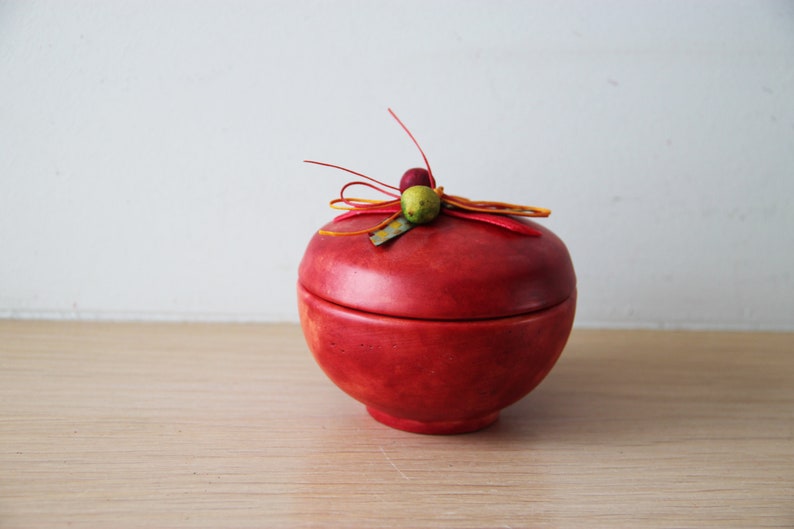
[[497, 213]]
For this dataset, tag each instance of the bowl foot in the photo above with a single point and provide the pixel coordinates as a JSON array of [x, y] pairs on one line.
[[435, 427]]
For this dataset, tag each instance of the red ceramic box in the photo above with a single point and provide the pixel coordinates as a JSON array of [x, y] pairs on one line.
[[439, 329]]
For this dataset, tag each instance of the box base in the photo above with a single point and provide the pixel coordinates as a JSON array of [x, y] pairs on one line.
[[434, 427]]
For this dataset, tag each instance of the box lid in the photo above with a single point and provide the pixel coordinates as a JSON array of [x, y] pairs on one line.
[[450, 269]]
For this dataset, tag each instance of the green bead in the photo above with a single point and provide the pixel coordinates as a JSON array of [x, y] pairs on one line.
[[420, 204]]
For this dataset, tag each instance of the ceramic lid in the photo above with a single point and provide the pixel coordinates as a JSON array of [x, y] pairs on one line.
[[450, 269]]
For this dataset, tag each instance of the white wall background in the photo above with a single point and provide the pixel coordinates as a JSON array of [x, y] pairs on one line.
[[150, 151]]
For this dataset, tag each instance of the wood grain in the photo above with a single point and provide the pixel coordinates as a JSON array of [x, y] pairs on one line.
[[222, 425]]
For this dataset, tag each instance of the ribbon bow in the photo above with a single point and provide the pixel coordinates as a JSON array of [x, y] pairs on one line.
[[496, 213]]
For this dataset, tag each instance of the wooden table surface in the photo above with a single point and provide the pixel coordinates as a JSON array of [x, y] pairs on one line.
[[224, 425]]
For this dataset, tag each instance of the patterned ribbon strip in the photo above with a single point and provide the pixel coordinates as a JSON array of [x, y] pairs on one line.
[[393, 229]]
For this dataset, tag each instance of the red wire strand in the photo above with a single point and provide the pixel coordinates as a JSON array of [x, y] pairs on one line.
[[427, 164], [362, 175]]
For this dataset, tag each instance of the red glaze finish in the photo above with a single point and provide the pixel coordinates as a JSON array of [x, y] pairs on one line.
[[437, 330], [431, 376], [450, 269]]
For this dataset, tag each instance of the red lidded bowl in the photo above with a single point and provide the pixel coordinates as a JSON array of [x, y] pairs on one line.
[[438, 330]]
